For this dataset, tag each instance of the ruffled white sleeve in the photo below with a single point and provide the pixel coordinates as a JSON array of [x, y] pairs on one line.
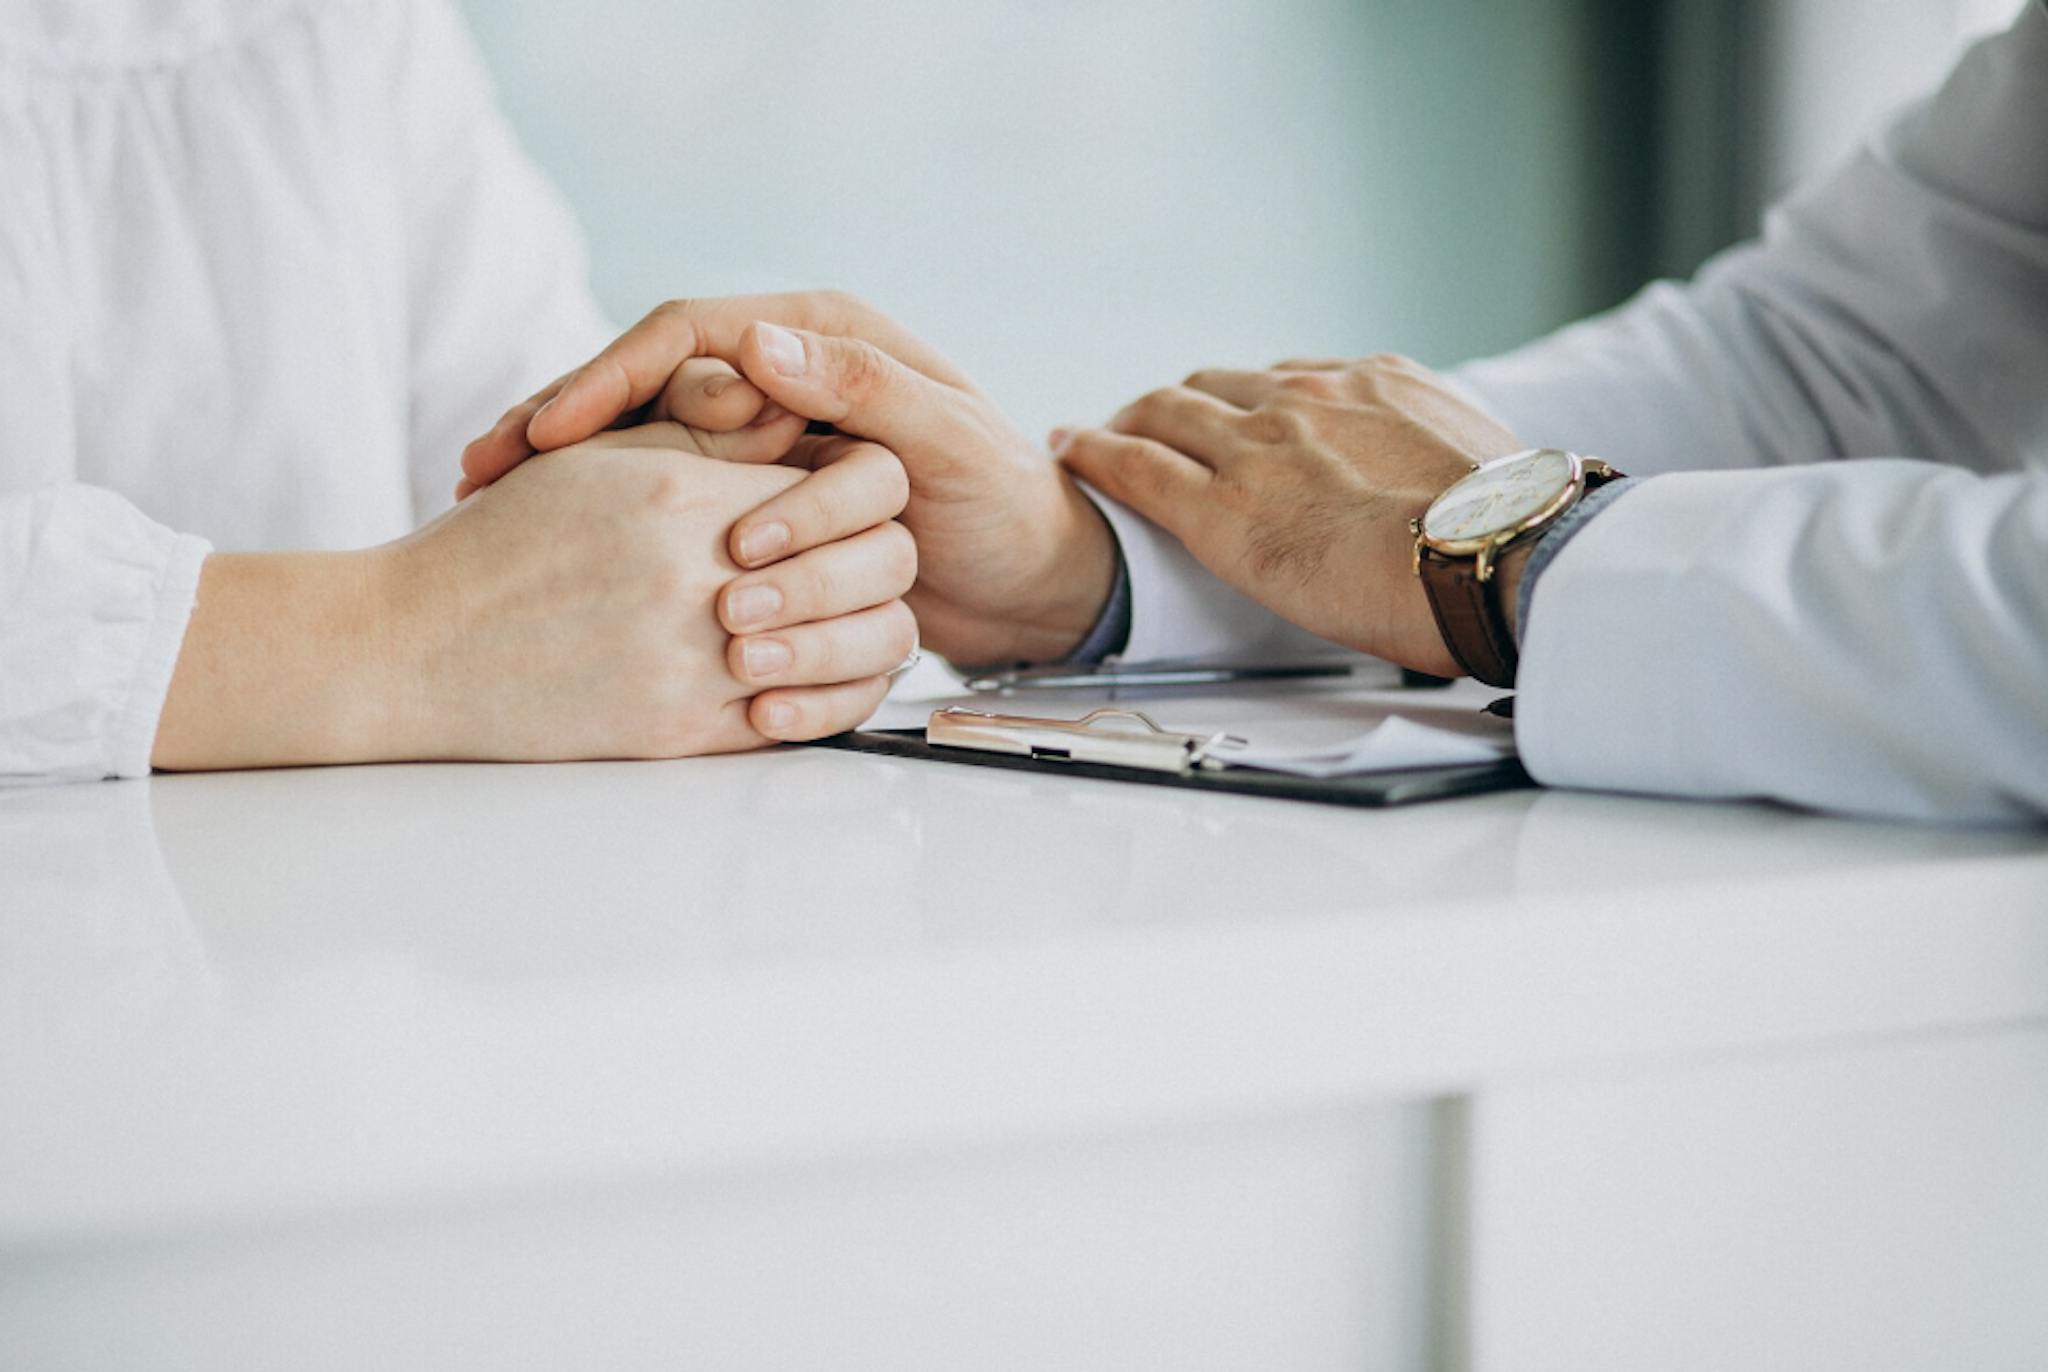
[[94, 598], [497, 278]]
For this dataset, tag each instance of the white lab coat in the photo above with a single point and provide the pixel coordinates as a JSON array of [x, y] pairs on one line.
[[1832, 589], [264, 266]]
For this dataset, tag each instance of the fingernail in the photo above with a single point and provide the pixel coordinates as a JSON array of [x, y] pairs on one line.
[[719, 385], [765, 656], [546, 405], [783, 349], [752, 604], [763, 541], [779, 715], [1058, 440]]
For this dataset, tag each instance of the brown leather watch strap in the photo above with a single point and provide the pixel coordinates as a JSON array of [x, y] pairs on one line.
[[1468, 611], [1468, 615]]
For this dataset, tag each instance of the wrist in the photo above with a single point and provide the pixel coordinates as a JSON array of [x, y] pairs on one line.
[[1050, 591], [288, 661], [1076, 586]]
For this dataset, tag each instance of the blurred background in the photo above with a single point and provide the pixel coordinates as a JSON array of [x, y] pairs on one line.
[[1078, 200]]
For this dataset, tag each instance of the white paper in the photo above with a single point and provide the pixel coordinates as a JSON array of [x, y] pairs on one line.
[[1395, 744], [1305, 728]]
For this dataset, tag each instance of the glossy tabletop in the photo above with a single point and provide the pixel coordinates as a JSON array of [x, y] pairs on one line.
[[269, 994]]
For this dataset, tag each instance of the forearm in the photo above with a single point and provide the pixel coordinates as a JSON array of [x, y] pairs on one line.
[[291, 659], [1891, 306]]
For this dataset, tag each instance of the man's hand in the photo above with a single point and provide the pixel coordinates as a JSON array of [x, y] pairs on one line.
[[1015, 563], [1296, 486]]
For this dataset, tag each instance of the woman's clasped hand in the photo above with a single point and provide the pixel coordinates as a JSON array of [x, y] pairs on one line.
[[588, 606]]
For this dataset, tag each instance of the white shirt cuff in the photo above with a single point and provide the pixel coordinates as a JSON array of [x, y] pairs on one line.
[[1181, 611]]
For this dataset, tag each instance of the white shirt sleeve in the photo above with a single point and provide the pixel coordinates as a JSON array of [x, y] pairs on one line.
[[1868, 636], [1180, 611], [1862, 635], [1896, 306], [498, 277], [94, 598]]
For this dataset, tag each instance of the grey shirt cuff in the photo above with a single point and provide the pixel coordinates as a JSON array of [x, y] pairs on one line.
[[1551, 542], [1112, 628]]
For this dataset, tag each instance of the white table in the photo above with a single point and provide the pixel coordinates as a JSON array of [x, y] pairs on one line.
[[820, 1060]]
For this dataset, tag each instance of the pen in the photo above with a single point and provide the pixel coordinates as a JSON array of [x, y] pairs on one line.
[[1056, 678]]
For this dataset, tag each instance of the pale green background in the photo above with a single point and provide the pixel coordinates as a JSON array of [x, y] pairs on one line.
[[1082, 200]]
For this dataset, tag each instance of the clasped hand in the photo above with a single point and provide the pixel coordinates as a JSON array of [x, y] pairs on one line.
[[1295, 484]]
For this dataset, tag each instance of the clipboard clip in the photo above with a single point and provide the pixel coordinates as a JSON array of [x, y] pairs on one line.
[[1108, 738]]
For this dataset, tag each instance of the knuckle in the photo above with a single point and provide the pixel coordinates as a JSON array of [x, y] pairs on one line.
[[1315, 385], [1104, 458], [863, 371], [1376, 372], [843, 301], [900, 633], [891, 480], [806, 590], [1148, 409], [674, 310], [813, 514], [817, 654], [900, 548], [668, 492], [1161, 400], [1273, 425]]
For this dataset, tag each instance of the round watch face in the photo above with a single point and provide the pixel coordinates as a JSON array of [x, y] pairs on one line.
[[1499, 497]]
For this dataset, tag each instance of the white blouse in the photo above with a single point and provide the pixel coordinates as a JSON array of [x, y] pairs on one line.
[[264, 266]]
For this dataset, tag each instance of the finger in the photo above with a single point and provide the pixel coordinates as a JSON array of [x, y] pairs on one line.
[[1200, 425], [771, 437], [1312, 364], [871, 568], [852, 647], [1167, 487], [503, 446], [756, 444], [709, 393], [629, 372], [635, 367], [808, 712], [1245, 390], [853, 485], [858, 387]]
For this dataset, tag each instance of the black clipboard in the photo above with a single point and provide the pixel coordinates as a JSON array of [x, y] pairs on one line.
[[1369, 790]]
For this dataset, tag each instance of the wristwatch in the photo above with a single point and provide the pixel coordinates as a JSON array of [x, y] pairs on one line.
[[1463, 533]]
